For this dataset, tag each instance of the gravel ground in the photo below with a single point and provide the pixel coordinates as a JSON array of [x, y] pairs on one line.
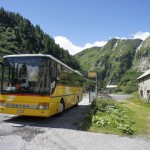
[[62, 133], [61, 139]]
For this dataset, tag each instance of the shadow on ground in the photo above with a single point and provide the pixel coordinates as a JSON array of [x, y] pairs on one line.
[[71, 119]]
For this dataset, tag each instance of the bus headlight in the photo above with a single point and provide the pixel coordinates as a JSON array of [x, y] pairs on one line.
[[2, 103], [43, 106]]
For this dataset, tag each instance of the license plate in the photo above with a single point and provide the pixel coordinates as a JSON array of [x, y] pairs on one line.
[[20, 111]]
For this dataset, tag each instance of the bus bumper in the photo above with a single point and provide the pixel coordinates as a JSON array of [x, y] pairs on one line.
[[25, 112]]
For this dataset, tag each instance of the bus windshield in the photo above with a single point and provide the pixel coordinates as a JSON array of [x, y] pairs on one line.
[[26, 75]]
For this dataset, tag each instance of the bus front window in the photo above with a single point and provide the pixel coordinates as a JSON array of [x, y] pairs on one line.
[[25, 75]]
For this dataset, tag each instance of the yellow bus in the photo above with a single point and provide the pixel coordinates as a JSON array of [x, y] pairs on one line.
[[38, 85]]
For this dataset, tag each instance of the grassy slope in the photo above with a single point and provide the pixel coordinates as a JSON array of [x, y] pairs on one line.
[[141, 114]]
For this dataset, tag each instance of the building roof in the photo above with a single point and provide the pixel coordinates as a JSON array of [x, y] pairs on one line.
[[111, 86], [144, 74]]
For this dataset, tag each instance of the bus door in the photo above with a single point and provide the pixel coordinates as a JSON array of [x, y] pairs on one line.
[[1, 72], [54, 96]]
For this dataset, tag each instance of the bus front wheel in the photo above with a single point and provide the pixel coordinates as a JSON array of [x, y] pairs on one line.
[[61, 108], [77, 101]]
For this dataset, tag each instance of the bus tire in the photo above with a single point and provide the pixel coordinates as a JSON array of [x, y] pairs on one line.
[[77, 101], [61, 107]]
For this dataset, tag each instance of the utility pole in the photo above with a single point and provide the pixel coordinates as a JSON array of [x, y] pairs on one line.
[[96, 87]]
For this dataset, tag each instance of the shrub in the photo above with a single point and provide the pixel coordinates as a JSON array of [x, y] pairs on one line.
[[109, 113]]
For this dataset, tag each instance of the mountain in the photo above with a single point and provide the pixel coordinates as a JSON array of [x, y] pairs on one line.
[[118, 62], [18, 35]]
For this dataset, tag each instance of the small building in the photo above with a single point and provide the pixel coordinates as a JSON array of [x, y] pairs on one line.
[[111, 88], [144, 85]]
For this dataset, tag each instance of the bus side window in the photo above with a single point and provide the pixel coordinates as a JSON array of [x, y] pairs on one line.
[[1, 70]]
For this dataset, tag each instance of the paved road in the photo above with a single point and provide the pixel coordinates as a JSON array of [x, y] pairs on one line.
[[120, 96], [61, 133], [115, 96]]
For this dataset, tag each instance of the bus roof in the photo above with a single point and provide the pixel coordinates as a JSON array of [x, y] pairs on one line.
[[44, 55]]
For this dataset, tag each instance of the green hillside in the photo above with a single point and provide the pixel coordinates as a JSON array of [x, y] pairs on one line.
[[18, 35]]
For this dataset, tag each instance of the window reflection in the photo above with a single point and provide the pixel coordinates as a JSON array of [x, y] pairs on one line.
[[38, 75]]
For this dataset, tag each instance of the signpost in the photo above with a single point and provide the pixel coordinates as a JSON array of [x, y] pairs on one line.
[[93, 74]]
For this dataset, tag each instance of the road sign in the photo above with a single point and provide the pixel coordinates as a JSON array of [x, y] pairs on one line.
[[92, 74]]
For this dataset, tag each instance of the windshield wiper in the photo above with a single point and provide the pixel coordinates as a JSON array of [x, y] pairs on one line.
[[7, 92], [17, 92]]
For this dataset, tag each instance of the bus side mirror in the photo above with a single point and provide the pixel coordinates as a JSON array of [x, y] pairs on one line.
[[1, 67], [1, 63]]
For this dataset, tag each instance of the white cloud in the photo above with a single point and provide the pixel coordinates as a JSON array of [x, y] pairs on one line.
[[67, 45], [97, 43], [122, 38], [72, 48], [141, 35]]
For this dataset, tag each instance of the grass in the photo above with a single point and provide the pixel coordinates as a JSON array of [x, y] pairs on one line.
[[140, 113], [136, 120]]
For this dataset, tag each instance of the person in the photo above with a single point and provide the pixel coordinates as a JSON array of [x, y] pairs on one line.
[[23, 71], [17, 84], [33, 76]]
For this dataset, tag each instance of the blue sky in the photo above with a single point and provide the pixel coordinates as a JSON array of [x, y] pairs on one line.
[[79, 24]]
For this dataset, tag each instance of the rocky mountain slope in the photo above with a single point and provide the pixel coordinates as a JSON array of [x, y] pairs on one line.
[[142, 56], [119, 62]]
